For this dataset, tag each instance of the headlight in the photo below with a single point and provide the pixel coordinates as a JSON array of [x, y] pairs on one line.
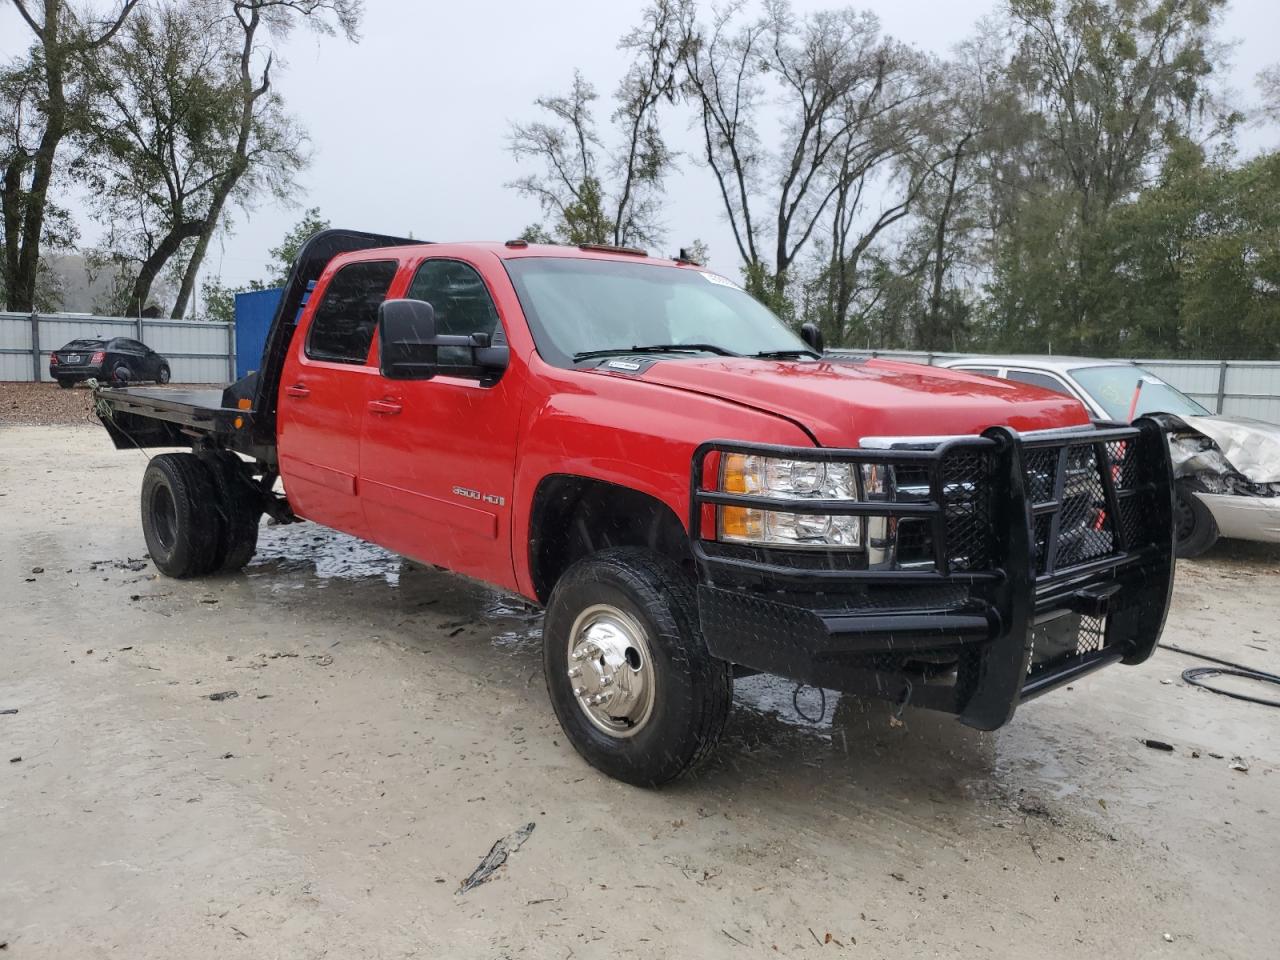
[[788, 480]]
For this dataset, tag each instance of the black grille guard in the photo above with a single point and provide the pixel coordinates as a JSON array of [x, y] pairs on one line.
[[1040, 557]]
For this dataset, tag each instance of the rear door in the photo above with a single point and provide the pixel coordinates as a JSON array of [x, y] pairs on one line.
[[438, 462], [141, 358], [323, 390], [121, 354]]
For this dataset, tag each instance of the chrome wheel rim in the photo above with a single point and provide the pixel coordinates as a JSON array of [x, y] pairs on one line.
[[610, 670]]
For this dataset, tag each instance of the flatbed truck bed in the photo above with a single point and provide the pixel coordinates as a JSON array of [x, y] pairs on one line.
[[178, 417]]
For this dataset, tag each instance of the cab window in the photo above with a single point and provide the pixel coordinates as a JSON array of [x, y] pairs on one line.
[[1042, 380], [462, 305], [342, 327]]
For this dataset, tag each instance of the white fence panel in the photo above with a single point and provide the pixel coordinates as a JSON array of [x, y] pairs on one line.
[[197, 352], [201, 352]]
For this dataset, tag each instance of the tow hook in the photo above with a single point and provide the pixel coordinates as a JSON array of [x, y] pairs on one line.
[[1094, 601]]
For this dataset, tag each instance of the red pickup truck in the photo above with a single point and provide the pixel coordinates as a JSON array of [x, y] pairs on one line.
[[693, 491]]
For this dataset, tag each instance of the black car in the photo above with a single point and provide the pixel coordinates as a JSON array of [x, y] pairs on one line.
[[119, 360]]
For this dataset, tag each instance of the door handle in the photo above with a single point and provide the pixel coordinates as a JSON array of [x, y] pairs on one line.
[[298, 390], [387, 408]]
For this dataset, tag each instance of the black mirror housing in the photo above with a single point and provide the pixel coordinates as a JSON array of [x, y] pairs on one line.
[[812, 336], [409, 347]]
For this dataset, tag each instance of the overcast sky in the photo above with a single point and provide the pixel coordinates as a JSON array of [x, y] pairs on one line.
[[409, 127]]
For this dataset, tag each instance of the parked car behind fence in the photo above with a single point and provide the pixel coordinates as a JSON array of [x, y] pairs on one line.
[[119, 359]]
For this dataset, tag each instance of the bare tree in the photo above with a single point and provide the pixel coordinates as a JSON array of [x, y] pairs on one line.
[[617, 203], [1269, 86], [47, 109], [723, 65], [846, 93], [261, 22], [569, 189]]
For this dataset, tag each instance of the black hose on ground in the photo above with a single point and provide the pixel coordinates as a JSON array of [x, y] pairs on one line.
[[1195, 676]]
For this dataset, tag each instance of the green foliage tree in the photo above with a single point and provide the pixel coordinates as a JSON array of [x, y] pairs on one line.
[[164, 138], [43, 97], [1112, 87], [1197, 261]]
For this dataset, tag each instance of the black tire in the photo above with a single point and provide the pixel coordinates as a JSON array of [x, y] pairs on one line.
[[1196, 530], [239, 511], [121, 374], [179, 522], [692, 691], [66, 383], [164, 374]]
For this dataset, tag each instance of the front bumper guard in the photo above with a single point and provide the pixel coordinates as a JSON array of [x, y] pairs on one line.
[[1014, 596]]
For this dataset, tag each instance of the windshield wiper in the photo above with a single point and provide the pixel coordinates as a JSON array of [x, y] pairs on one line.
[[657, 348], [784, 354]]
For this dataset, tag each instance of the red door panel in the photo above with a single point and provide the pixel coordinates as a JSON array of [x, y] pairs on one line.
[[438, 459], [322, 394]]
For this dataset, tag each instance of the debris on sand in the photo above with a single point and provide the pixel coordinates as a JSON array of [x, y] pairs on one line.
[[496, 857], [1239, 763], [223, 695], [8, 711], [1159, 745]]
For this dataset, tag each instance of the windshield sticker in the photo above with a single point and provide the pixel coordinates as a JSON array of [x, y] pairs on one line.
[[720, 281]]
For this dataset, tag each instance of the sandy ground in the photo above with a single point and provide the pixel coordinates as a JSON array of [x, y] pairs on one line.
[[42, 404], [391, 724]]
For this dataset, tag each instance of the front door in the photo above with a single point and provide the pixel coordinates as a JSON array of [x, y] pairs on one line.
[[437, 465], [322, 395]]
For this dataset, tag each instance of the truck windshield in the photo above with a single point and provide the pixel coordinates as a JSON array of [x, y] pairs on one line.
[[579, 308], [1113, 388]]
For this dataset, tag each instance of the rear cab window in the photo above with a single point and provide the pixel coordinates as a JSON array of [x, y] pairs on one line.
[[1045, 381], [343, 323]]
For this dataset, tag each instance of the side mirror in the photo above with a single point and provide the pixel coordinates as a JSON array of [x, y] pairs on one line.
[[407, 340], [410, 347], [812, 336]]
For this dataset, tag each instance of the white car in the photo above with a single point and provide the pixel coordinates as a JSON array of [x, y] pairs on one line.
[[1227, 468]]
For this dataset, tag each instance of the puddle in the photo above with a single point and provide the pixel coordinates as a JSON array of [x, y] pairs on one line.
[[327, 553]]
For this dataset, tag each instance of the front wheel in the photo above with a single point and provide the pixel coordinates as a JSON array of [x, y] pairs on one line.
[[629, 675], [1195, 527], [163, 375]]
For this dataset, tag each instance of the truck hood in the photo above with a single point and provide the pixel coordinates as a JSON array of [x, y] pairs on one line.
[[840, 402]]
